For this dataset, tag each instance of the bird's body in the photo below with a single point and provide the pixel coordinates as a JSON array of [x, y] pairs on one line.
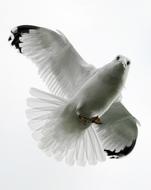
[[67, 121], [101, 90]]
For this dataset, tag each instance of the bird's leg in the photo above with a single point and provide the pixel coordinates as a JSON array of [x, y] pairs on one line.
[[84, 119], [96, 119]]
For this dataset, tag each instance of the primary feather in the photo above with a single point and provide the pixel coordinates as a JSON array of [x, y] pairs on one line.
[[76, 88]]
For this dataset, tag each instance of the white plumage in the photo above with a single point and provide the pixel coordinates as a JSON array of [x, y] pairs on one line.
[[81, 120]]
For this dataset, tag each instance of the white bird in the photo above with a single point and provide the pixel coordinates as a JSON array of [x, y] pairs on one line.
[[82, 119]]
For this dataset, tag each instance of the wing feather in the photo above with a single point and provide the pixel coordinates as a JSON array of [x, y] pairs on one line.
[[59, 65], [119, 132]]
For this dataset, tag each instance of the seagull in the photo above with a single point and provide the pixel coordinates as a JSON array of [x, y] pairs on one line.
[[81, 120]]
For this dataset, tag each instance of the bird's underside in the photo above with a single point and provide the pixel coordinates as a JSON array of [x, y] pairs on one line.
[[55, 126]]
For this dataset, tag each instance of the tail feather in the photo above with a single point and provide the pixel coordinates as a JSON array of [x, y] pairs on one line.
[[97, 144], [40, 103], [36, 124], [80, 152], [59, 131], [46, 96], [38, 115], [90, 149], [70, 158]]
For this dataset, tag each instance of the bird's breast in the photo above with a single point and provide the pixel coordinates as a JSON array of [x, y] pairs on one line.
[[96, 96]]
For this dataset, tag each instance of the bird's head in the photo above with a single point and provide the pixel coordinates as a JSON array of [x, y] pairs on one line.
[[120, 67], [122, 60]]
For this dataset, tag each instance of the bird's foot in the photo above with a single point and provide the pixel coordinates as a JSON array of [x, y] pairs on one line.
[[85, 120], [96, 120]]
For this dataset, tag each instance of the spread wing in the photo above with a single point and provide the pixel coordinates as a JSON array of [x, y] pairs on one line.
[[119, 132], [59, 65]]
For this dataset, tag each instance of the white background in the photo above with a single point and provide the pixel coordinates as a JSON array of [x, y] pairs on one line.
[[99, 30]]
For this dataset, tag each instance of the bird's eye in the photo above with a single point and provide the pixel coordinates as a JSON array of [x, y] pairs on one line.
[[128, 62], [118, 58]]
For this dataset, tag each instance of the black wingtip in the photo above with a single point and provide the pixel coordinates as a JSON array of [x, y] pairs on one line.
[[121, 153], [17, 33], [9, 39]]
